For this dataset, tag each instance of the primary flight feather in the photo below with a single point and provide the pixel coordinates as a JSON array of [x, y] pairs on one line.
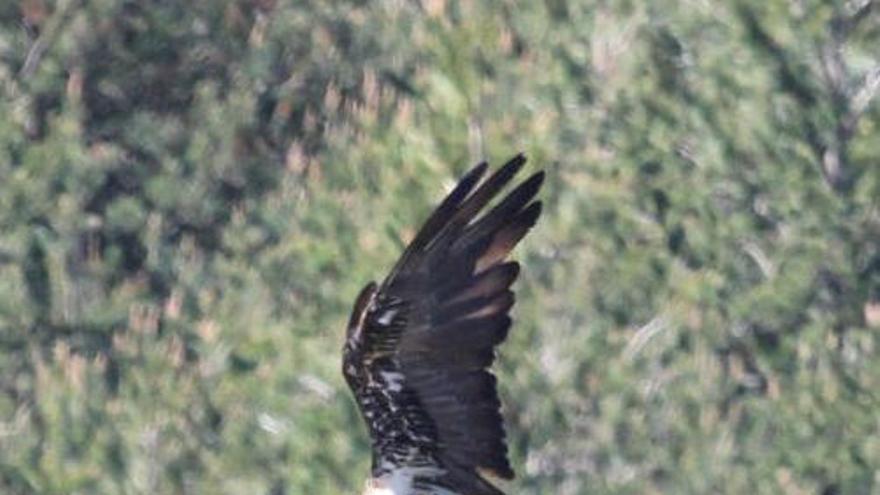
[[419, 346]]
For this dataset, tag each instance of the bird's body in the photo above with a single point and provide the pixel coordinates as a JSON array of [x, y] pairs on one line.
[[402, 481], [419, 346]]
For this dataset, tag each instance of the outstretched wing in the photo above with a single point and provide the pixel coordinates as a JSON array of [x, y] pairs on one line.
[[419, 346]]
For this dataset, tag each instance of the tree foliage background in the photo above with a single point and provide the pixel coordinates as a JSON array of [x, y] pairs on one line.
[[192, 192]]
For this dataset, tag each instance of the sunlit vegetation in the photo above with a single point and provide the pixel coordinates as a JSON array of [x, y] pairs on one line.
[[193, 192]]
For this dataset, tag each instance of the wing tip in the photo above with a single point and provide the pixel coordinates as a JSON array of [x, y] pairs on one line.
[[538, 177], [533, 212], [512, 166], [477, 170]]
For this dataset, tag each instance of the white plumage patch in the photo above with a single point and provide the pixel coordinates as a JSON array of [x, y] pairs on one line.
[[394, 380], [387, 317], [400, 482]]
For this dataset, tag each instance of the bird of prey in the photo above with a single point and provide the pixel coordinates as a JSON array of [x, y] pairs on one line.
[[419, 346]]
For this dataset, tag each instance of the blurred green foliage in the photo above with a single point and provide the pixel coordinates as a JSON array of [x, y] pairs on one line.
[[192, 192]]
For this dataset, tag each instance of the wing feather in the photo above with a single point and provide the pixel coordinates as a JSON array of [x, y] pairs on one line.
[[488, 282], [514, 202], [441, 216]]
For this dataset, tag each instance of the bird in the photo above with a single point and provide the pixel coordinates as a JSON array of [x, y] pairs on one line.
[[419, 346]]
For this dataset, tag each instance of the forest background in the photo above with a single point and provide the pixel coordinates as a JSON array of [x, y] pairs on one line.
[[193, 192]]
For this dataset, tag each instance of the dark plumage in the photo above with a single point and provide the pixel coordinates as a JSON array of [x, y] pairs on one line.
[[418, 346]]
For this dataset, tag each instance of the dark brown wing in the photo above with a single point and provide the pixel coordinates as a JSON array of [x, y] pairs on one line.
[[421, 344]]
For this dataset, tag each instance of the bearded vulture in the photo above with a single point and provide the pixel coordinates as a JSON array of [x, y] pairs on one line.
[[419, 346]]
